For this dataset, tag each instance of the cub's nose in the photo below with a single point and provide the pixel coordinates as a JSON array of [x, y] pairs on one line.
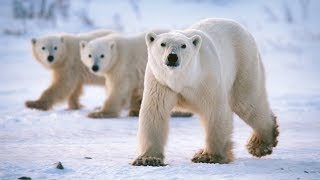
[[95, 68], [50, 58], [172, 60]]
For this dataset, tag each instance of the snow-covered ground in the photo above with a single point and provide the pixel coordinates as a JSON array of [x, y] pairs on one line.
[[32, 141]]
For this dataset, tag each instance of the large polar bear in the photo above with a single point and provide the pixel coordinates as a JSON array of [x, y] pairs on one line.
[[213, 69], [60, 54]]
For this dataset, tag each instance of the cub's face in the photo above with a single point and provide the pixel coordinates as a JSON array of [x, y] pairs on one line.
[[98, 55], [172, 51], [49, 51]]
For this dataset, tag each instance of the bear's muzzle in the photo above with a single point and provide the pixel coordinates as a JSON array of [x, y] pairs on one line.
[[172, 60]]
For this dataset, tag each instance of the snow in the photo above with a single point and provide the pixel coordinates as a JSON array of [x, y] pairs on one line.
[[32, 141]]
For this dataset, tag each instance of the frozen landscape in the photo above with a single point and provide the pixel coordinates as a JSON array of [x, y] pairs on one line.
[[31, 141]]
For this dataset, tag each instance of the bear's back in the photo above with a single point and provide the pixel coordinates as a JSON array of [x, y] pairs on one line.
[[228, 40], [235, 46], [93, 34]]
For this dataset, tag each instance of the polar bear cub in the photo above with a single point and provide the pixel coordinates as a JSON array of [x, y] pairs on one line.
[[60, 54], [213, 69], [121, 60]]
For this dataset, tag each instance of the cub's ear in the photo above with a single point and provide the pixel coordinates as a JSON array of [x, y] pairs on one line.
[[150, 37], [83, 44], [196, 40], [33, 41]]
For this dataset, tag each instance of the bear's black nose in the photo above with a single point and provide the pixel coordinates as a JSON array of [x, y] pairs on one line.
[[95, 68], [172, 60], [50, 58]]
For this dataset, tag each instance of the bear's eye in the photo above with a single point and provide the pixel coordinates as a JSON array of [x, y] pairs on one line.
[[55, 48], [43, 48], [183, 46], [89, 55], [102, 56], [163, 44]]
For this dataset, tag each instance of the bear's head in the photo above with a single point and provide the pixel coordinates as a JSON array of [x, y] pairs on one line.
[[98, 55], [172, 51], [49, 50]]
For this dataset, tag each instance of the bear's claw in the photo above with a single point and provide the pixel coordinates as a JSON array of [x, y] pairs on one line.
[[148, 161], [203, 157], [258, 148]]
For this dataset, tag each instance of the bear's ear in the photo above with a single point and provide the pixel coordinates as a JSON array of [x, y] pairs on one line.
[[83, 44], [33, 41], [150, 37], [196, 40]]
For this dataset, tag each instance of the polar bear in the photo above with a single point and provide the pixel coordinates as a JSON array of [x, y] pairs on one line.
[[122, 60], [213, 69], [60, 54]]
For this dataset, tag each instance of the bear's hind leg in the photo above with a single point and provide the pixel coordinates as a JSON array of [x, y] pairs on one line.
[[249, 101], [264, 124], [114, 103], [135, 102], [110, 109], [73, 101]]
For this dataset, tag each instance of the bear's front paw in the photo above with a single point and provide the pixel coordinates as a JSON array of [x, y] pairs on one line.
[[148, 161], [101, 114], [133, 113], [204, 157], [40, 105]]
